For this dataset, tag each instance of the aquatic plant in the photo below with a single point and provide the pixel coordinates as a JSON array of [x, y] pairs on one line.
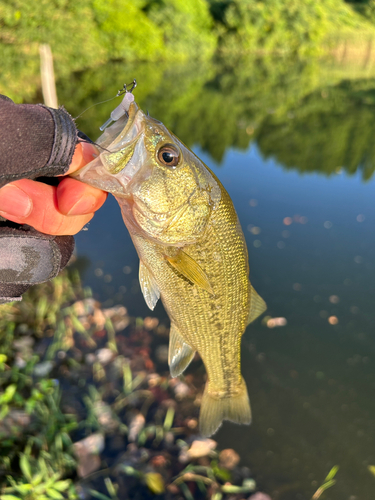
[[53, 442], [328, 482]]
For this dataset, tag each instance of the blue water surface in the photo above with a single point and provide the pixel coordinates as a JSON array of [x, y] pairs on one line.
[[311, 382]]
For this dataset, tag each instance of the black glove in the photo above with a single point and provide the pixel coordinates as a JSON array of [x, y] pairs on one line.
[[34, 141]]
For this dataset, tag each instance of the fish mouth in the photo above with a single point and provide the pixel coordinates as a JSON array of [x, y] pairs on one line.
[[117, 164]]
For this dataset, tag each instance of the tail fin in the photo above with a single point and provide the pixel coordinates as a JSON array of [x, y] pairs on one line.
[[214, 410]]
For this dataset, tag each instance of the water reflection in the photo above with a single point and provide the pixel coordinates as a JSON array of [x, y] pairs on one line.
[[309, 115], [258, 125]]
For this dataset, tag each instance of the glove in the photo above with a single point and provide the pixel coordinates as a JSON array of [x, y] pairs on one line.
[[35, 141]]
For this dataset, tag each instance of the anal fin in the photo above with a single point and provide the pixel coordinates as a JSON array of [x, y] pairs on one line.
[[149, 288], [180, 353], [257, 305]]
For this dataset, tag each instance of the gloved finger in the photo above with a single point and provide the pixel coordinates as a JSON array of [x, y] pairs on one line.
[[35, 203], [76, 198]]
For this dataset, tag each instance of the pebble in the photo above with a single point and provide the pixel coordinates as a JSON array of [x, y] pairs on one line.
[[89, 445], [105, 416], [229, 458], [136, 425], [104, 355], [201, 448], [84, 307], [259, 496], [24, 343], [14, 419], [181, 390], [161, 353], [90, 358], [119, 317], [153, 379], [87, 451], [43, 369], [99, 318]]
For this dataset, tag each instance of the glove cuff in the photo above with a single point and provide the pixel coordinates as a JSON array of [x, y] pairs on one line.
[[64, 143], [29, 257]]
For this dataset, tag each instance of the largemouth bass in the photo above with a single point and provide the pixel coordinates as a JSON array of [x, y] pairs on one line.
[[192, 253]]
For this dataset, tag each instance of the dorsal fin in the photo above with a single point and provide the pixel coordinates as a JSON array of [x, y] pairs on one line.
[[180, 353], [257, 305], [189, 268], [149, 288]]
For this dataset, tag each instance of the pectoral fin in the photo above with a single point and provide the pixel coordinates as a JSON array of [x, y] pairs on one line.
[[180, 353], [149, 288], [257, 305], [187, 266]]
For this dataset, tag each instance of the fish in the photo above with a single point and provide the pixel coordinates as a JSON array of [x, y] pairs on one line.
[[192, 252]]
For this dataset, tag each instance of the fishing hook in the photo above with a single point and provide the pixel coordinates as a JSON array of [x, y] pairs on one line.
[[123, 107]]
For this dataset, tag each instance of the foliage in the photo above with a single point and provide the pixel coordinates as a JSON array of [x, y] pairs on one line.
[[39, 482], [281, 25], [88, 33], [125, 30], [66, 25], [186, 26]]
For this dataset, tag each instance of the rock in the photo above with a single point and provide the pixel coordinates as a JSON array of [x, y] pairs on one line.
[[23, 344], [115, 311], [93, 444], [169, 438], [90, 358], [136, 425], [153, 380], [192, 423], [105, 416], [119, 317], [87, 451], [228, 458], [87, 464], [181, 390], [84, 307], [150, 323], [161, 353], [201, 448], [259, 496], [43, 369], [99, 318], [158, 461], [104, 356], [15, 422]]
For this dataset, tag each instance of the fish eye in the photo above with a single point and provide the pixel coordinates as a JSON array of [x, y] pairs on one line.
[[169, 155]]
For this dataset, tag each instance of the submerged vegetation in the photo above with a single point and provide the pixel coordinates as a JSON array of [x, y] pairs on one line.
[[88, 410]]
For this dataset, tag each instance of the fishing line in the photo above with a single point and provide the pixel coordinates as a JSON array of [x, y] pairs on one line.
[[96, 104], [94, 143], [121, 92]]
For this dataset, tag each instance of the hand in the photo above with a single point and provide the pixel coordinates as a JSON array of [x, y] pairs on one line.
[[60, 210]]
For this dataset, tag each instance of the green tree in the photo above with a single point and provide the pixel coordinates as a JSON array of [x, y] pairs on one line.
[[186, 25], [125, 30]]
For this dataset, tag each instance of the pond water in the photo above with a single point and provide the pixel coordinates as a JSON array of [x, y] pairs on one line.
[[294, 146]]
